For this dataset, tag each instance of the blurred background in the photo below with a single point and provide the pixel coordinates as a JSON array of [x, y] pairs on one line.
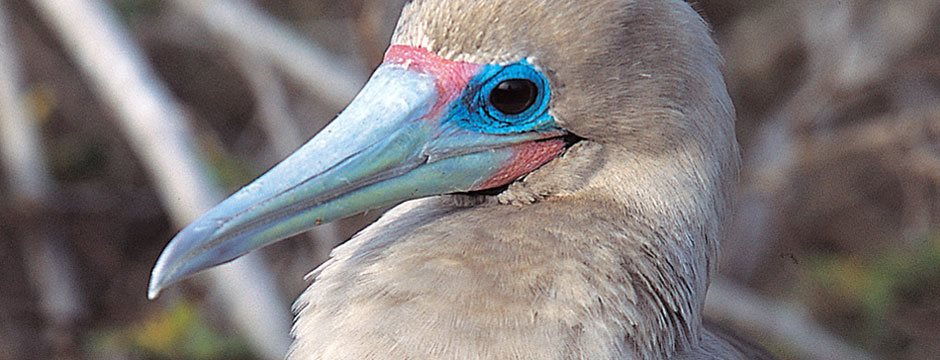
[[121, 120]]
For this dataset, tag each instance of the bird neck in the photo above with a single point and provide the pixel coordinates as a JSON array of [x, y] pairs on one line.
[[647, 225], [601, 262], [620, 267], [565, 277]]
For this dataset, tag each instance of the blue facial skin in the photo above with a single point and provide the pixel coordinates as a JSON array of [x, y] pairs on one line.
[[473, 110]]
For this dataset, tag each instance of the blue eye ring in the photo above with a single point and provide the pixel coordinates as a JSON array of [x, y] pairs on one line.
[[476, 111]]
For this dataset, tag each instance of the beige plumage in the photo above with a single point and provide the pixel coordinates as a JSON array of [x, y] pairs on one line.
[[614, 115], [604, 253]]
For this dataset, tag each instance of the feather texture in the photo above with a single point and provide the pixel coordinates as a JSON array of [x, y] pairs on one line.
[[603, 253]]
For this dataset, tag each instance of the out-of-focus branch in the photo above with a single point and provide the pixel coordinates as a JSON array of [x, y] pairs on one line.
[[21, 146], [321, 73], [777, 322], [49, 265], [158, 131], [272, 105]]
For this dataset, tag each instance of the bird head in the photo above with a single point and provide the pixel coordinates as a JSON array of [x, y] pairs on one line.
[[474, 95]]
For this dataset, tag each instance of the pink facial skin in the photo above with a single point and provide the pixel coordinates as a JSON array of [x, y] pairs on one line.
[[526, 158], [452, 78]]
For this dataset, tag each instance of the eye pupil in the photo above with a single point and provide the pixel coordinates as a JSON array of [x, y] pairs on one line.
[[514, 96]]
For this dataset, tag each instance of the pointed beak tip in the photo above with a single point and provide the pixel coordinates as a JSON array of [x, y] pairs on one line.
[[184, 256], [157, 283], [158, 279], [153, 292]]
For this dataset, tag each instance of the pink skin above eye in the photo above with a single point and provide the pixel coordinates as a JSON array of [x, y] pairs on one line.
[[451, 78]]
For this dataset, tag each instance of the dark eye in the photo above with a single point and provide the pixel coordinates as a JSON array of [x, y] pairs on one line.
[[514, 96]]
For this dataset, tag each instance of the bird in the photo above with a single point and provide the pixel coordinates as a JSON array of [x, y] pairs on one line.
[[562, 172]]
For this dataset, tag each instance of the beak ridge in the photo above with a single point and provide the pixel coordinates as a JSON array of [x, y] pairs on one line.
[[386, 147]]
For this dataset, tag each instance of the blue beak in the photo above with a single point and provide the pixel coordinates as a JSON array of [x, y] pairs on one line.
[[386, 147]]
